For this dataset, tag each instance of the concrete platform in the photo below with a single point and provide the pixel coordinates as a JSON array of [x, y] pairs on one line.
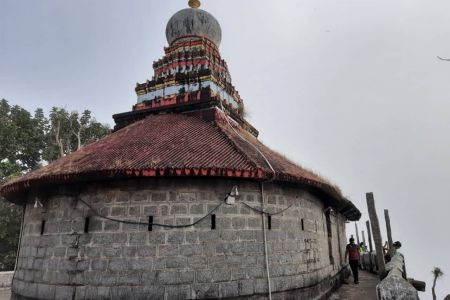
[[366, 289]]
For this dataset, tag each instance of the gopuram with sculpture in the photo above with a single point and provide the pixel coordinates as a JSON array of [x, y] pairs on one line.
[[181, 201]]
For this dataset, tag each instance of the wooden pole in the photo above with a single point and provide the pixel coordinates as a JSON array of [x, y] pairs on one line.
[[357, 233], [389, 232], [376, 234], [369, 237]]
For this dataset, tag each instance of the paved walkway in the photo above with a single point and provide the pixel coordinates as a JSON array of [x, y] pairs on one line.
[[365, 290], [5, 294]]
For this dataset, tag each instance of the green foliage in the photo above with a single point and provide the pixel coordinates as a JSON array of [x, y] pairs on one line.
[[21, 136], [7, 130], [9, 234], [59, 134], [94, 131], [8, 170], [69, 132], [9, 218], [26, 142]]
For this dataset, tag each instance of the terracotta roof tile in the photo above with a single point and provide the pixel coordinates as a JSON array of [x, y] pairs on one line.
[[171, 145]]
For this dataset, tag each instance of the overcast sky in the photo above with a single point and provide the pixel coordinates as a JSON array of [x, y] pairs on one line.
[[349, 88]]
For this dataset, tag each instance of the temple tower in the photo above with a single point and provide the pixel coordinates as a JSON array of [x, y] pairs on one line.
[[192, 74]]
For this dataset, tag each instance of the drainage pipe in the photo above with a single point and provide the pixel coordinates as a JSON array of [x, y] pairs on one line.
[[265, 242]]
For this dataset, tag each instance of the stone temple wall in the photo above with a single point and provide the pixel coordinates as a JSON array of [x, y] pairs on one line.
[[121, 261]]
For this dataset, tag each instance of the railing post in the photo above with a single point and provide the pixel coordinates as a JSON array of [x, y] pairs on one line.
[[357, 233], [376, 234], [389, 232], [369, 237]]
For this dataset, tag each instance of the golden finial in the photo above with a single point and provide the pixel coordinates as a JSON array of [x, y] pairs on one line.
[[194, 3]]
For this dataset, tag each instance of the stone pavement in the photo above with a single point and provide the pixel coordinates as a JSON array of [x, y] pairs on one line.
[[5, 293], [365, 290]]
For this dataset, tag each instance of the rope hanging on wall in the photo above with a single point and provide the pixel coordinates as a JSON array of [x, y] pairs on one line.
[[150, 223], [267, 213]]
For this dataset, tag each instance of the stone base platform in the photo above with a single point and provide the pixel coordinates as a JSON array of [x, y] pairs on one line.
[[321, 291]]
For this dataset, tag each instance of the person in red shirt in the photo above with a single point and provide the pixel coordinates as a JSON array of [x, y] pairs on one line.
[[352, 252]]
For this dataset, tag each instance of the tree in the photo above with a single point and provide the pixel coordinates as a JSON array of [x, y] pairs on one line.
[[94, 131], [78, 126], [7, 130], [21, 136], [41, 125], [10, 222], [28, 139], [10, 151], [58, 134], [85, 129], [437, 272], [26, 142], [69, 132]]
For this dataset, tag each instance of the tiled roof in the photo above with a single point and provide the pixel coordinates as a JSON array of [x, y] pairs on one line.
[[172, 145]]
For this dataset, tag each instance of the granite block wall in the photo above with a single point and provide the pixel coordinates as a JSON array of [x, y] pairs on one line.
[[59, 260]]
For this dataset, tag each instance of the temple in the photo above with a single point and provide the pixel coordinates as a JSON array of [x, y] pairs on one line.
[[181, 201]]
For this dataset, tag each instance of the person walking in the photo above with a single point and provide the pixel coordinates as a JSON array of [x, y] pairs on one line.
[[352, 252]]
